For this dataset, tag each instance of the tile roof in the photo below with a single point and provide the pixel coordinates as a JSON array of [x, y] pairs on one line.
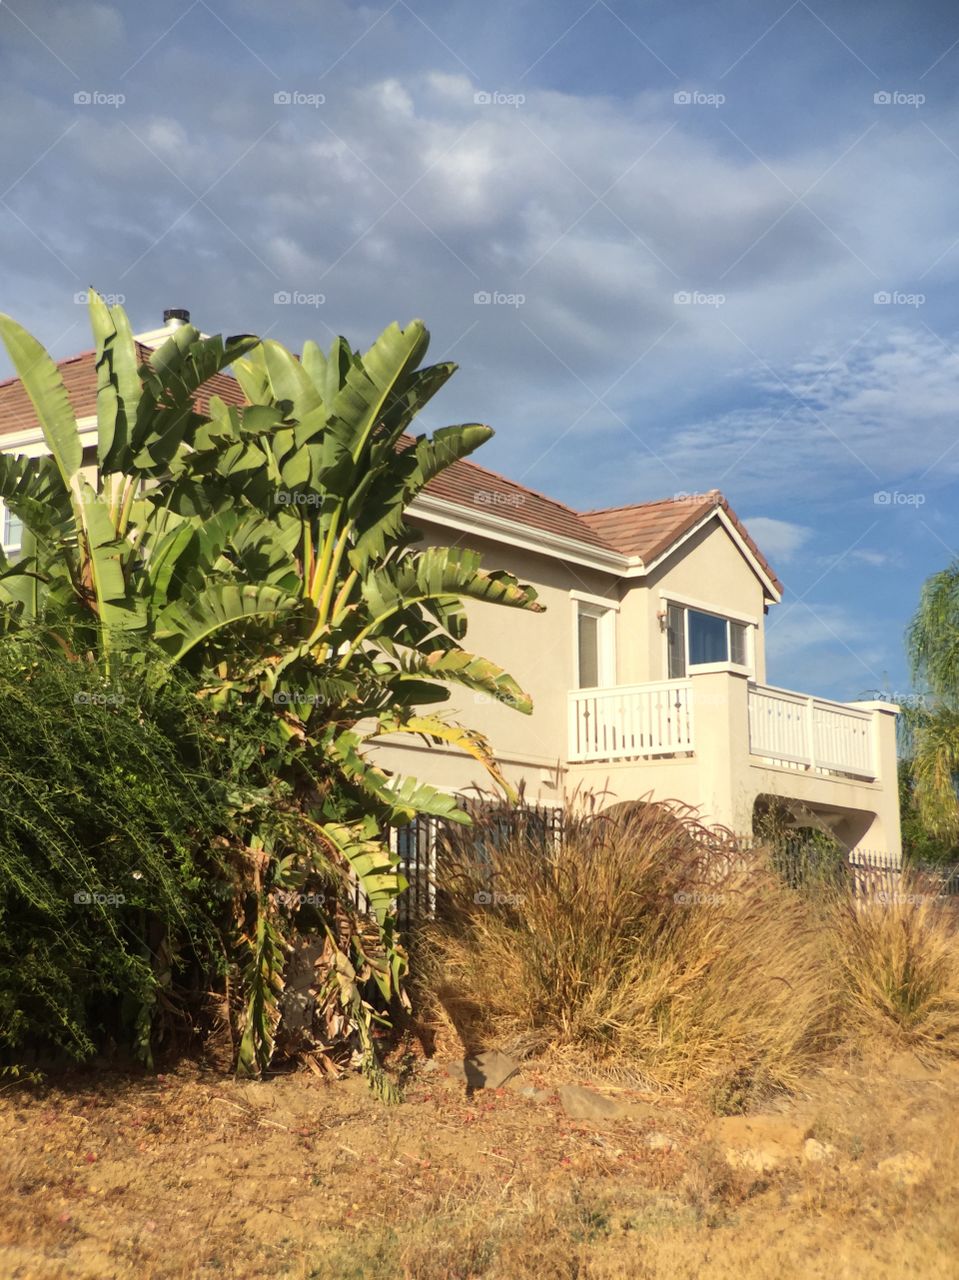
[[79, 376], [469, 485], [644, 529], [648, 529]]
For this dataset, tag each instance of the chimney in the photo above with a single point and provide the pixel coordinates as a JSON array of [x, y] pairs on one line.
[[174, 317]]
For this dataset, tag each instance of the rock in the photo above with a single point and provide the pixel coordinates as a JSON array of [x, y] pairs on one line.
[[759, 1143], [487, 1070], [429, 1066], [815, 1152], [586, 1104], [659, 1142], [905, 1168], [753, 1159]]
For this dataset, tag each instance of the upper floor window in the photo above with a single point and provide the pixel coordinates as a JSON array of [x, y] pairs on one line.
[[695, 638], [11, 531], [595, 645]]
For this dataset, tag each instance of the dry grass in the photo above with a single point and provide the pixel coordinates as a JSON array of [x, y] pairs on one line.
[[651, 948], [647, 945], [898, 960]]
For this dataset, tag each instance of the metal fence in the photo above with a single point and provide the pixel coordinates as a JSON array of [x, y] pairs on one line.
[[865, 872], [426, 845]]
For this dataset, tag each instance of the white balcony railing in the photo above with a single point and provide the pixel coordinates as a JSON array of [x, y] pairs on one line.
[[631, 721], [637, 721], [794, 729]]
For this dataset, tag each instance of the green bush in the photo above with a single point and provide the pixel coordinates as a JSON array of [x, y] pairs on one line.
[[118, 802]]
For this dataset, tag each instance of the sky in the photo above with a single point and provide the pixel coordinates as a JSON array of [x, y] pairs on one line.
[[673, 246]]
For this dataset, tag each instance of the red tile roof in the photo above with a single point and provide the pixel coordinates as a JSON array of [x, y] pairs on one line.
[[644, 529], [648, 529], [470, 485], [79, 376]]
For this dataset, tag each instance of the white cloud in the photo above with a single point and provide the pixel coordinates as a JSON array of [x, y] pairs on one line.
[[778, 539]]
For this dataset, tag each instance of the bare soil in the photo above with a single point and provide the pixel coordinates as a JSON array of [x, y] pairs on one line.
[[194, 1175]]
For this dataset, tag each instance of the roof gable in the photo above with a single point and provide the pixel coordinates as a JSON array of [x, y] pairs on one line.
[[650, 529]]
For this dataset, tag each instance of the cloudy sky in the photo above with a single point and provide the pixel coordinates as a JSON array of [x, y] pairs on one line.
[[674, 246]]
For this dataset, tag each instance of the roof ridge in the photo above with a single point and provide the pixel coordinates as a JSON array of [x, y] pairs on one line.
[[81, 355], [654, 502]]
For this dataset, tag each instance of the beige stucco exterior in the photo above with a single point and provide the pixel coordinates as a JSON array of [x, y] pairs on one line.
[[721, 776]]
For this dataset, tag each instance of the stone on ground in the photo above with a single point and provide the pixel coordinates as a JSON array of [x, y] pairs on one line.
[[487, 1070]]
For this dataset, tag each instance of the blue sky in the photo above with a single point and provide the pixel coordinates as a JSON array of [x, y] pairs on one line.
[[720, 238]]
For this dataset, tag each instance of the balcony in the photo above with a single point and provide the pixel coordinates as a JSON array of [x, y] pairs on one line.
[[784, 729]]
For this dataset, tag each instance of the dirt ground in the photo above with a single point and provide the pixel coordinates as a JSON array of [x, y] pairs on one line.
[[194, 1175]]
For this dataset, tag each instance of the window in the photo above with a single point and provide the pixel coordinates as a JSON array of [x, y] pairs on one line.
[[695, 638], [595, 663], [12, 531]]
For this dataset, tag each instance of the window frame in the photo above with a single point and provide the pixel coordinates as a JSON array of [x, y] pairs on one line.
[[7, 518], [730, 618], [604, 611]]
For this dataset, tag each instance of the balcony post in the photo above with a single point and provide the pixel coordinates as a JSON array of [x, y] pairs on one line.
[[809, 720], [721, 710]]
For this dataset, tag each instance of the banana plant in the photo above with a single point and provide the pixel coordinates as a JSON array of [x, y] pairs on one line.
[[79, 505], [265, 549]]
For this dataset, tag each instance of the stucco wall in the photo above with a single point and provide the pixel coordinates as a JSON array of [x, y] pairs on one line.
[[537, 649], [708, 568]]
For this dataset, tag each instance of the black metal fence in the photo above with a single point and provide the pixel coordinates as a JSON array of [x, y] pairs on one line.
[[425, 845]]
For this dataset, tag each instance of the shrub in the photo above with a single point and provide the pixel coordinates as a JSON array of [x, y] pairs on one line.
[[648, 945], [114, 795], [898, 959]]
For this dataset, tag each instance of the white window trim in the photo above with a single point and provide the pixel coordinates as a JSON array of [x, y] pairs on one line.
[[704, 668], [689, 602], [9, 548], [606, 638], [602, 602]]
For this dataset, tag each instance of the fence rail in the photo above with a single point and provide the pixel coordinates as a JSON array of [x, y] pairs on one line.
[[811, 732], [631, 721], [426, 846]]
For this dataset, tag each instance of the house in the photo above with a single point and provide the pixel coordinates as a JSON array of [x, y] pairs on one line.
[[648, 668]]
